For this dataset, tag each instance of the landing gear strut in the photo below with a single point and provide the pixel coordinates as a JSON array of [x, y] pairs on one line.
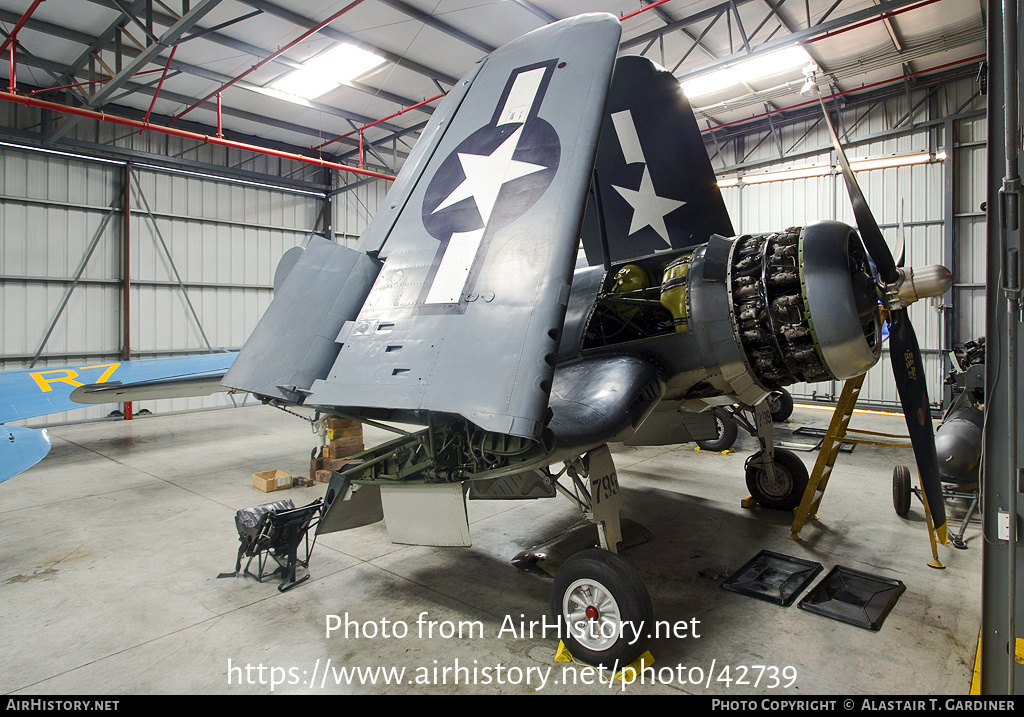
[[776, 477], [598, 600]]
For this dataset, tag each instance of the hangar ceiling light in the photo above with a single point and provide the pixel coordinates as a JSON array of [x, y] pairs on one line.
[[825, 169], [322, 73], [759, 68]]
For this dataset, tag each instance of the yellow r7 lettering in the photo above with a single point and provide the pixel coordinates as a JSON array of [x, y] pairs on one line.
[[43, 378], [111, 367], [44, 383]]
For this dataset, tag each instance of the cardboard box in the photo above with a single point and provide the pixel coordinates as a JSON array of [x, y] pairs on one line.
[[270, 481], [355, 431], [321, 468], [343, 447]]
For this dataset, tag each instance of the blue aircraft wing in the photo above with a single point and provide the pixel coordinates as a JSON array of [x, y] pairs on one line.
[[37, 392]]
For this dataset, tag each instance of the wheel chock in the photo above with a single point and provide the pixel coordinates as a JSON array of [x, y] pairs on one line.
[[748, 502], [562, 654], [645, 660]]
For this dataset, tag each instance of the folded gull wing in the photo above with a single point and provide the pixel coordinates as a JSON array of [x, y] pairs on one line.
[[479, 240]]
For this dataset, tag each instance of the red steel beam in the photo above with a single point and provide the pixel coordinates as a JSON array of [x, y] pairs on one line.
[[275, 55], [376, 122], [138, 124], [126, 282], [160, 86], [645, 8], [13, 34]]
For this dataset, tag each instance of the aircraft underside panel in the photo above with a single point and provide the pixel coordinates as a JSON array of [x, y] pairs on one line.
[[466, 314]]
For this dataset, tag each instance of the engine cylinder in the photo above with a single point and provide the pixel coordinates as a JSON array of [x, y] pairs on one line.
[[804, 305]]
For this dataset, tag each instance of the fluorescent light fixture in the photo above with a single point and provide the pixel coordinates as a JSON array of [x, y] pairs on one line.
[[801, 173], [822, 170], [773, 63], [887, 162], [70, 155], [710, 83], [323, 73]]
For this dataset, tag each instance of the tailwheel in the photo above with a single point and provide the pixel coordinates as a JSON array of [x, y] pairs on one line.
[[901, 490], [786, 489], [603, 609]]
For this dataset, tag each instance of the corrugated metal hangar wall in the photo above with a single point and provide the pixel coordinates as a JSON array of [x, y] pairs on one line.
[[940, 202], [204, 241], [207, 226]]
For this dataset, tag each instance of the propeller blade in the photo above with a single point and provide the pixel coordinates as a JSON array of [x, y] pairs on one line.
[[903, 241], [870, 234], [910, 382]]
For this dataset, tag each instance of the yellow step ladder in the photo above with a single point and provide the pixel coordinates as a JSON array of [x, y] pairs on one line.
[[833, 441], [827, 454]]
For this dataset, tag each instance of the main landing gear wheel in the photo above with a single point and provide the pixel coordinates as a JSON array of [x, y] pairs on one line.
[[780, 404], [601, 606], [727, 433], [901, 490], [787, 490]]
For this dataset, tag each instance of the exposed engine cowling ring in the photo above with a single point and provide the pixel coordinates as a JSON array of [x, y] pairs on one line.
[[839, 291], [778, 309]]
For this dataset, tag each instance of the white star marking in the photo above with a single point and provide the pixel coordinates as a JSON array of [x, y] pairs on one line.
[[649, 210], [486, 174]]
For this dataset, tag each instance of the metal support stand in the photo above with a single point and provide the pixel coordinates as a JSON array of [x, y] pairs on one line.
[[827, 455]]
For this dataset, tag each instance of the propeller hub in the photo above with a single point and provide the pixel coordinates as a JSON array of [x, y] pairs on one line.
[[921, 283]]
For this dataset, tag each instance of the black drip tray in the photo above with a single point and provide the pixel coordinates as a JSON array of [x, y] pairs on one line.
[[854, 597], [773, 577]]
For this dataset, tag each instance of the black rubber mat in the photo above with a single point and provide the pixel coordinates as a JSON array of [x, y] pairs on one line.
[[854, 597], [773, 577]]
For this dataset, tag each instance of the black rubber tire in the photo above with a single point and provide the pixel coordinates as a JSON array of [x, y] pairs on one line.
[[727, 434], [791, 481], [780, 403], [607, 576], [901, 490]]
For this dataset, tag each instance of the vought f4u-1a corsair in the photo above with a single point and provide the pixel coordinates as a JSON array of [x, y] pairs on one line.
[[553, 270]]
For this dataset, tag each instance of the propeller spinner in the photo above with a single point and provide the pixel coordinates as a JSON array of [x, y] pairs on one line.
[[896, 288]]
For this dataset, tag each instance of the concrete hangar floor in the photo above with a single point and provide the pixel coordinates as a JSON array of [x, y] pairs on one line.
[[114, 542]]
